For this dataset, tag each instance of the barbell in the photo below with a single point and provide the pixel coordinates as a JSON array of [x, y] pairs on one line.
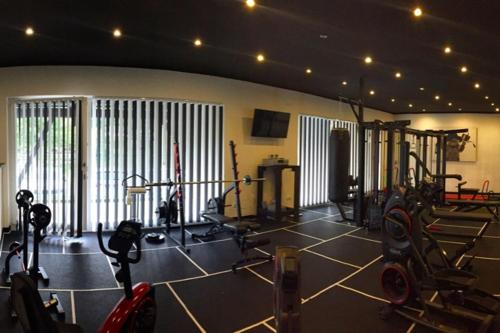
[[247, 180]]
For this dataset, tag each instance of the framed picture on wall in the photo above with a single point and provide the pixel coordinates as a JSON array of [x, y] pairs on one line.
[[462, 147]]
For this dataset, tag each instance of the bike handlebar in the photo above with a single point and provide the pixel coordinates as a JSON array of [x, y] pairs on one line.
[[116, 255]]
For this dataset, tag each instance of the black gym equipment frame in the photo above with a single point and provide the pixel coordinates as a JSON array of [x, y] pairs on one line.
[[400, 127]]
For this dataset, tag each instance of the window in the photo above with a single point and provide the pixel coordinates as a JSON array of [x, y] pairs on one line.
[[314, 133], [135, 136]]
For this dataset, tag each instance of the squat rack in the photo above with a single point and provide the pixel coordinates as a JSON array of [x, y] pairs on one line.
[[179, 184]]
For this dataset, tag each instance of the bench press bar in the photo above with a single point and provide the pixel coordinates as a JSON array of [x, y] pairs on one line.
[[247, 180]]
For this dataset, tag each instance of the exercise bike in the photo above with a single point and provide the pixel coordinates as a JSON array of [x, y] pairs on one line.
[[135, 312]]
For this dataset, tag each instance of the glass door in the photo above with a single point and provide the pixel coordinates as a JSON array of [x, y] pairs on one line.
[[48, 158]]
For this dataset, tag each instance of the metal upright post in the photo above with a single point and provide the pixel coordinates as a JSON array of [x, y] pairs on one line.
[[403, 157], [424, 154], [443, 167], [417, 166], [438, 154], [390, 160], [361, 158], [375, 161]]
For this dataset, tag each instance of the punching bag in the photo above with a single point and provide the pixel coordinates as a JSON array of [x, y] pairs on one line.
[[338, 164]]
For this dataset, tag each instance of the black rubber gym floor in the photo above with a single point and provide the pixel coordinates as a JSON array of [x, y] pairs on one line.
[[198, 292]]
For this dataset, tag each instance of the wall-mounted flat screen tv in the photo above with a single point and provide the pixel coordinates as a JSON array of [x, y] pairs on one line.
[[270, 124]]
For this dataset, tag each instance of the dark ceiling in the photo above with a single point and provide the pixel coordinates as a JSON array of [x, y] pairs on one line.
[[160, 34]]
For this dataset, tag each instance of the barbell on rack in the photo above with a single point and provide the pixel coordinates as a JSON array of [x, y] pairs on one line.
[[247, 180]]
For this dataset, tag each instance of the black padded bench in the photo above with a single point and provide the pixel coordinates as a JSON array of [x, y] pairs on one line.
[[239, 230], [464, 216], [217, 218], [241, 227], [470, 205]]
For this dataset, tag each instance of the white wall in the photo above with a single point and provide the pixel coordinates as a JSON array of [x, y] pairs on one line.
[[488, 145], [239, 98]]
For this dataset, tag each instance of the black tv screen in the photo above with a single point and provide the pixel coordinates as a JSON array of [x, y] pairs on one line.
[[270, 124]]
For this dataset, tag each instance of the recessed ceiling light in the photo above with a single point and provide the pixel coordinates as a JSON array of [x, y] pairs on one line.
[[464, 69], [477, 85], [250, 3], [372, 92], [398, 75], [29, 31], [410, 105], [393, 100], [447, 49], [260, 57], [497, 109], [492, 104], [417, 12], [344, 83], [450, 104], [368, 60], [308, 71], [437, 97], [486, 97], [117, 33], [197, 42], [421, 88]]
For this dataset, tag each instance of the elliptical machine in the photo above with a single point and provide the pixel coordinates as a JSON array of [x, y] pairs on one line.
[[136, 311], [408, 272], [39, 216], [24, 199]]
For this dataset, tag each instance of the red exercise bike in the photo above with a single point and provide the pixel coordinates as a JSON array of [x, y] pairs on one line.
[[136, 311]]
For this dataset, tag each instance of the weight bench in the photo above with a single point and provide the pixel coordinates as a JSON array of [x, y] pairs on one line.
[[464, 216], [218, 222], [471, 205], [453, 215], [239, 231]]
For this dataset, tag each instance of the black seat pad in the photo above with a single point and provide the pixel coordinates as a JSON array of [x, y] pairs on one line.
[[464, 216], [241, 227], [217, 218], [479, 203]]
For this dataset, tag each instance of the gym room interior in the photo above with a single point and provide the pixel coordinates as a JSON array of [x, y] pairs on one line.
[[249, 166]]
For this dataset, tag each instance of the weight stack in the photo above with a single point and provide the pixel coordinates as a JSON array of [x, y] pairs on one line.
[[338, 165]]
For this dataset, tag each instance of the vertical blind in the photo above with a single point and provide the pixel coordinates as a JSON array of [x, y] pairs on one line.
[[130, 136], [47, 157], [314, 133]]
